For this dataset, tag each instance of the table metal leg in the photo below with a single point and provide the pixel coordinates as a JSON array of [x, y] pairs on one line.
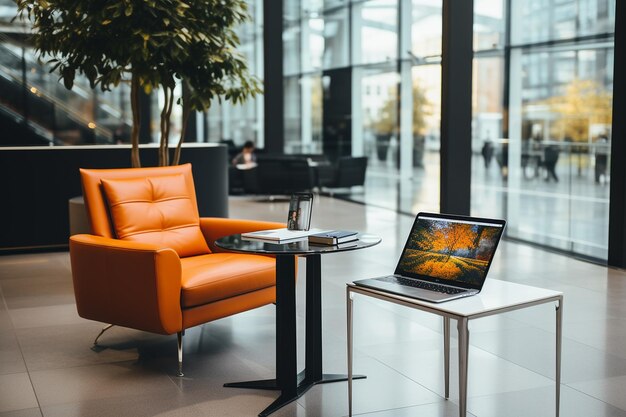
[[559, 337], [350, 348], [313, 328], [463, 361], [286, 365], [446, 355], [313, 342], [291, 384]]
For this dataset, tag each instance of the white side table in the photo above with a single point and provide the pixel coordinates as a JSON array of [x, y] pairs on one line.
[[496, 297]]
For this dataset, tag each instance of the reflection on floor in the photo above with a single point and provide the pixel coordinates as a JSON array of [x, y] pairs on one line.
[[47, 367]]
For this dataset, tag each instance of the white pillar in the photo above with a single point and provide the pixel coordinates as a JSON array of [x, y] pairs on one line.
[[358, 147], [306, 104], [515, 173], [226, 131], [406, 89], [200, 116]]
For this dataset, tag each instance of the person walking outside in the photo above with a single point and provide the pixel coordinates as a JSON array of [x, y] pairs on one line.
[[551, 156]]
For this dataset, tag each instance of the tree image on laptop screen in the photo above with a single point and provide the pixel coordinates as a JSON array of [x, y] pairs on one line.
[[450, 250]]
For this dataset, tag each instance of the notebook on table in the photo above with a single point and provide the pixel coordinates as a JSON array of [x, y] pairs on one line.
[[445, 257]]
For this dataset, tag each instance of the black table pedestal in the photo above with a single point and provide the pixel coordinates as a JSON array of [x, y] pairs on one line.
[[291, 383]]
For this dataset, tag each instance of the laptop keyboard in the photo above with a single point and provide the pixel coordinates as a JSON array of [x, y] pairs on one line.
[[422, 285]]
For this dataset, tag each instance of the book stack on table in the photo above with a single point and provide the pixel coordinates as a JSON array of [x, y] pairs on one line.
[[333, 237], [280, 235]]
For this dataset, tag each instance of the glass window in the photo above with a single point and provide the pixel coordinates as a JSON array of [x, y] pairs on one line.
[[293, 138], [426, 30], [488, 24], [291, 52], [548, 173], [377, 22], [336, 39], [544, 20], [314, 41]]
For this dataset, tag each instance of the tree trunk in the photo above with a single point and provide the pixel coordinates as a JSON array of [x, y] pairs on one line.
[[183, 130], [134, 102], [168, 121], [166, 113], [163, 139]]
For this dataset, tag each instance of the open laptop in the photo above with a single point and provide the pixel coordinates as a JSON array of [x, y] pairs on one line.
[[445, 257]]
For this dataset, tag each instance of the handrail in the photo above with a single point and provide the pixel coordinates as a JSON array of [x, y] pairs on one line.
[[73, 114], [41, 131], [106, 106]]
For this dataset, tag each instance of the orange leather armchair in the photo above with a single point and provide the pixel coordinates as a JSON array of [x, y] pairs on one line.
[[151, 263]]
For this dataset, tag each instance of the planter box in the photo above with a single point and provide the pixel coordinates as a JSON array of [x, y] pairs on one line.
[[39, 181]]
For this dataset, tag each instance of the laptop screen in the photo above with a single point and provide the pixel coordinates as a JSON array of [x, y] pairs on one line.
[[453, 250]]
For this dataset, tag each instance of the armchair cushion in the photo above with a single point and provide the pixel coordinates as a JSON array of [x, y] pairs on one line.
[[156, 210], [214, 277]]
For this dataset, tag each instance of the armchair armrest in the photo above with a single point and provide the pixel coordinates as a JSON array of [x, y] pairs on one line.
[[125, 283], [215, 227]]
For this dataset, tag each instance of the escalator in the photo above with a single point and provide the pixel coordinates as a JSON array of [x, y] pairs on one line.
[[36, 109]]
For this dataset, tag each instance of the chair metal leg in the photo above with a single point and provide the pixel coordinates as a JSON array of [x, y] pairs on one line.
[[463, 363], [104, 329], [350, 348], [446, 355], [180, 353], [559, 340]]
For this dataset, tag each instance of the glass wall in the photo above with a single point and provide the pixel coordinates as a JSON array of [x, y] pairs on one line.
[[238, 123], [544, 163], [387, 55]]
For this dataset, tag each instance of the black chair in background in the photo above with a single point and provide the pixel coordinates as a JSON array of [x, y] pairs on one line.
[[349, 171]]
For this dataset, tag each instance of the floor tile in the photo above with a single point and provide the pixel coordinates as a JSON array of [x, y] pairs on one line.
[[38, 291], [16, 392], [54, 347], [11, 360], [79, 384], [540, 402], [31, 317], [172, 405], [609, 390], [441, 408], [534, 349], [487, 373], [42, 264], [383, 389], [28, 412]]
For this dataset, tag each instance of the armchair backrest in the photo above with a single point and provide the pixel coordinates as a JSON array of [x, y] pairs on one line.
[[151, 205]]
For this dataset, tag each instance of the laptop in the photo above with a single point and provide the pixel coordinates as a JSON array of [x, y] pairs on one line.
[[445, 257]]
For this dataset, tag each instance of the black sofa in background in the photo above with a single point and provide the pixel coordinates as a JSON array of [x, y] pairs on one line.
[[286, 174], [279, 175]]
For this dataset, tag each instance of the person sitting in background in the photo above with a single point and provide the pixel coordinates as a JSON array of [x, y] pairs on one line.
[[246, 158]]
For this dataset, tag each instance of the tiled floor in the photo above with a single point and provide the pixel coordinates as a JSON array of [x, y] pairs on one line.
[[47, 366]]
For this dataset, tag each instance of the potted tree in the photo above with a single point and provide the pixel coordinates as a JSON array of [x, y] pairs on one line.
[[386, 125], [151, 44]]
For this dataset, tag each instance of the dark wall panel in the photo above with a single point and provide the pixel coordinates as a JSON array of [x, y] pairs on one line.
[[38, 182], [617, 208], [337, 117]]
